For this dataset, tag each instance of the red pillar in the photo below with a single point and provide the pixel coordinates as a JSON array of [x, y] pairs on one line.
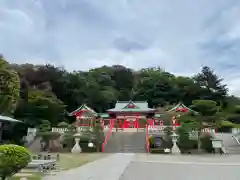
[[137, 122]]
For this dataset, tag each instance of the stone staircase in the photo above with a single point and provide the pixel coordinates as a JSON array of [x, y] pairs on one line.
[[35, 146], [126, 142], [230, 144]]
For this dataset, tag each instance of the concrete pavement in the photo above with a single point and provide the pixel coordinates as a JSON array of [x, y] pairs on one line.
[[108, 168], [154, 167]]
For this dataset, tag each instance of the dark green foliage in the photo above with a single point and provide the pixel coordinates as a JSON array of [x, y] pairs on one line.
[[12, 159], [46, 134], [206, 143], [48, 92], [63, 124], [166, 143], [187, 144], [184, 143], [68, 139]]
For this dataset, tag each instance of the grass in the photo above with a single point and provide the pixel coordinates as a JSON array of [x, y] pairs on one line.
[[33, 177], [67, 161]]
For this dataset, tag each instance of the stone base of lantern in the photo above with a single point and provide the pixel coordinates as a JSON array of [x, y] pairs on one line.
[[175, 149], [76, 148]]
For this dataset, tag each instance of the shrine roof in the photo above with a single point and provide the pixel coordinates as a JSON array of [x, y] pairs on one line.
[[180, 106], [131, 106], [82, 108]]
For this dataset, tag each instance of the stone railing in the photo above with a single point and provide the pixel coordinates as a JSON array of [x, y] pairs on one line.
[[59, 130], [155, 129], [62, 130], [235, 130], [31, 134]]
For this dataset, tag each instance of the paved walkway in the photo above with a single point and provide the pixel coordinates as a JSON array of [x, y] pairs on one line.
[[109, 168], [155, 167]]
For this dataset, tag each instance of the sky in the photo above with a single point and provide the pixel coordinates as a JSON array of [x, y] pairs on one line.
[[180, 36]]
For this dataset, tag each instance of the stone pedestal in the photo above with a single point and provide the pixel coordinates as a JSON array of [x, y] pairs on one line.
[[175, 149]]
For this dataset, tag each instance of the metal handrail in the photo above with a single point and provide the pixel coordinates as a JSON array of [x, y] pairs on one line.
[[234, 137], [108, 135]]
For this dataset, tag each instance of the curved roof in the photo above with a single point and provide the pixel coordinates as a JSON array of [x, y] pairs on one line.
[[180, 106], [131, 106], [83, 107]]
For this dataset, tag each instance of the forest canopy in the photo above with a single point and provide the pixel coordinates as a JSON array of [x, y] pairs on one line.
[[44, 92]]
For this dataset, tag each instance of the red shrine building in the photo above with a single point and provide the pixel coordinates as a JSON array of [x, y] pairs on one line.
[[129, 114], [126, 114]]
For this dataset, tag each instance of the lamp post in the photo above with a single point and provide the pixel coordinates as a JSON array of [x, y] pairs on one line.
[[175, 149]]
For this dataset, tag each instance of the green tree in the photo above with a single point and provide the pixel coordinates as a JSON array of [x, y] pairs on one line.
[[206, 116], [98, 134], [68, 137], [47, 136], [212, 86], [156, 86], [13, 158], [9, 88], [42, 105]]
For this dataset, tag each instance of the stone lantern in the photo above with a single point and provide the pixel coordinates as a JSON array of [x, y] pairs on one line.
[[175, 149], [77, 148]]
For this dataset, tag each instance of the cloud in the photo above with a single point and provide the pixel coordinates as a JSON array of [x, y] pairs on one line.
[[180, 36]]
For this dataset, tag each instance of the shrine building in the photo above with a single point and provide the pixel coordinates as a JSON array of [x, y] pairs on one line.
[[126, 114]]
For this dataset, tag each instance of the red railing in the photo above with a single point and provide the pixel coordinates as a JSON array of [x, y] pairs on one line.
[[147, 139], [108, 134]]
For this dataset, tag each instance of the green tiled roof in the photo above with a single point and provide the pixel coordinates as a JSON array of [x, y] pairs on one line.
[[106, 115], [122, 106], [157, 115], [103, 115]]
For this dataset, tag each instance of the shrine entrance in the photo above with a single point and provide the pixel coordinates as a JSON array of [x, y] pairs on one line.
[[127, 122], [131, 114]]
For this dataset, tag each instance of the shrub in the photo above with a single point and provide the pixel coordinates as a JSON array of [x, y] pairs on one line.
[[206, 143], [63, 124], [165, 142], [184, 142], [12, 159], [234, 118], [226, 126]]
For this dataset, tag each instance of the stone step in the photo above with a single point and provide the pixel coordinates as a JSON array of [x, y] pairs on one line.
[[126, 142]]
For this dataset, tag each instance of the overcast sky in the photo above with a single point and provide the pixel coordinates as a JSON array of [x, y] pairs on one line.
[[178, 35]]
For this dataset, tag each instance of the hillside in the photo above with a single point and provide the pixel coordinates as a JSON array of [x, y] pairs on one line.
[[47, 92]]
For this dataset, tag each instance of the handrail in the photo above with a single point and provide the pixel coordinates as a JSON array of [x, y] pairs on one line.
[[236, 139], [147, 139], [108, 135]]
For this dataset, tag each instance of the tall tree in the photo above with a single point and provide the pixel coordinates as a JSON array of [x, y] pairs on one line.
[[9, 88], [211, 84], [206, 115]]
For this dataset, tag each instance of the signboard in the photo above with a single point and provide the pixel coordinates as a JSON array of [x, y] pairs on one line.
[[158, 141], [217, 143]]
